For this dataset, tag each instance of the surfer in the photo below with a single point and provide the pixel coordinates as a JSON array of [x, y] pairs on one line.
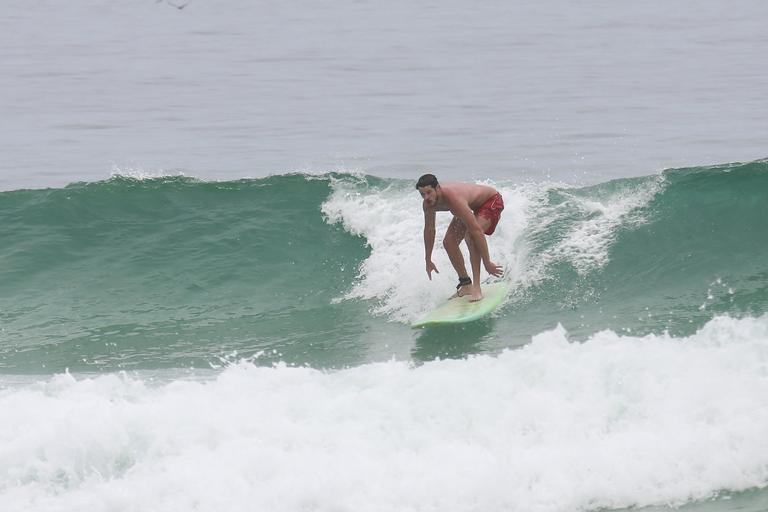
[[476, 210]]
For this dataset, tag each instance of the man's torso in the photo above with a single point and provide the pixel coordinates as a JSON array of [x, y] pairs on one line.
[[474, 195]]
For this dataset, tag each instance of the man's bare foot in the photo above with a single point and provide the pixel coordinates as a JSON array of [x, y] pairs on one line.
[[475, 295], [461, 292], [464, 288]]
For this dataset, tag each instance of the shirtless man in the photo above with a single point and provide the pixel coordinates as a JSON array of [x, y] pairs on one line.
[[476, 210]]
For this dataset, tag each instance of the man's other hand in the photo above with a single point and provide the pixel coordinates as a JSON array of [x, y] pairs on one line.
[[430, 267], [494, 269]]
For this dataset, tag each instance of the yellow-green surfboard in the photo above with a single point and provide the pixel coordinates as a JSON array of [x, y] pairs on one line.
[[461, 310]]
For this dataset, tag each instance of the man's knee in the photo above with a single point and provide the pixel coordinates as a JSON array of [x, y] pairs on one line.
[[449, 242]]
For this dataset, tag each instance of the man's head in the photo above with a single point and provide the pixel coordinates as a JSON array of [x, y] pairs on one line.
[[428, 188], [427, 180]]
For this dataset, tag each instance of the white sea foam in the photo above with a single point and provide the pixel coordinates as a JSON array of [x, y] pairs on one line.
[[138, 173], [587, 243], [613, 422]]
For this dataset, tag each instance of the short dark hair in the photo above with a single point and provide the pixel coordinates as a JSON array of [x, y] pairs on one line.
[[428, 180]]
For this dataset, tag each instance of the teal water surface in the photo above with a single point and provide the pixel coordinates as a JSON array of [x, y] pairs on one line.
[[176, 272]]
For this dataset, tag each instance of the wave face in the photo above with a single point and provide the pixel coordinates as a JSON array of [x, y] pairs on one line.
[[690, 245], [163, 271], [328, 271]]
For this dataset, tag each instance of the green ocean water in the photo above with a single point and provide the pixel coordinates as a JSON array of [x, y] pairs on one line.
[[173, 272], [149, 326]]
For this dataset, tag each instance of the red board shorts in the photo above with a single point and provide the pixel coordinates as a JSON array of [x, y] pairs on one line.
[[491, 210]]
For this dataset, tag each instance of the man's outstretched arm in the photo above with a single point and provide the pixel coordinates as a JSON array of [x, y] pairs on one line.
[[429, 241]]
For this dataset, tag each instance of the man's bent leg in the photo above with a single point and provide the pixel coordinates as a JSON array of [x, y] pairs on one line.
[[475, 260], [453, 236]]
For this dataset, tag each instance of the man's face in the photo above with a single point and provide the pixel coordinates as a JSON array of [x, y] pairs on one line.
[[429, 194]]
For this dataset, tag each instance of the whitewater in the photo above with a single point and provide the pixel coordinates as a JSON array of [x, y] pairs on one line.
[[613, 422]]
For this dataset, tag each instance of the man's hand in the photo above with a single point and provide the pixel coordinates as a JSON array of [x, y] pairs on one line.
[[430, 267], [494, 269]]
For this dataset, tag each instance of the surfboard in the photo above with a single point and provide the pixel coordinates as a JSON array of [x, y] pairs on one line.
[[461, 310]]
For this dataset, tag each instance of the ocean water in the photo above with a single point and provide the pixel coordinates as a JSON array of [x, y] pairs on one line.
[[211, 253], [578, 91]]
